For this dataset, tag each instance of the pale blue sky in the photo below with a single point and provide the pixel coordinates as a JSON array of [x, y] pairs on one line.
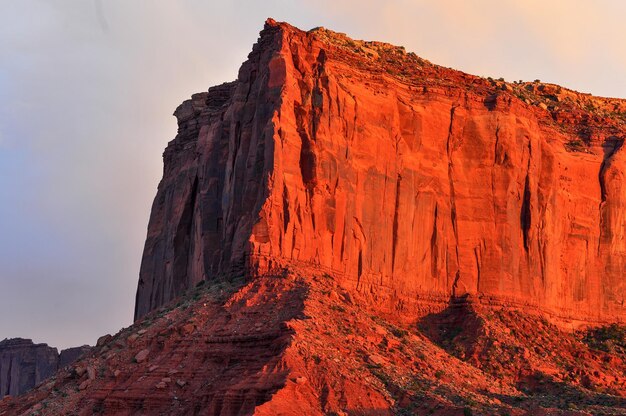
[[87, 89]]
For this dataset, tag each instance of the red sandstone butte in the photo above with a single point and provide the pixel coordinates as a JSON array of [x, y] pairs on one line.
[[348, 229], [408, 182]]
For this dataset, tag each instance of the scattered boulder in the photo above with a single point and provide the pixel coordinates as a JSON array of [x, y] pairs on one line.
[[187, 329], [131, 339], [103, 340], [142, 355], [79, 371]]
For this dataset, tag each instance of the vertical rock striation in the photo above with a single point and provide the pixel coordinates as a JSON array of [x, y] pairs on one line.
[[409, 182]]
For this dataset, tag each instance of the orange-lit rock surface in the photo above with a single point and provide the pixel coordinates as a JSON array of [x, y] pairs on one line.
[[408, 182]]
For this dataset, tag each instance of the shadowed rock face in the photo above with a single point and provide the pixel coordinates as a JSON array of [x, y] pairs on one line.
[[410, 182], [24, 364]]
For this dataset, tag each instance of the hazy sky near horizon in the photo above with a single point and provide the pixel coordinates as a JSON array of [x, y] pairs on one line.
[[87, 89]]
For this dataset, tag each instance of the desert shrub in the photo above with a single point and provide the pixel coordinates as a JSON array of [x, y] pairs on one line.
[[575, 145], [611, 338], [399, 332]]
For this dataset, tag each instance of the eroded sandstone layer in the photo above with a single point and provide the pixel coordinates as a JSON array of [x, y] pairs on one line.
[[409, 182]]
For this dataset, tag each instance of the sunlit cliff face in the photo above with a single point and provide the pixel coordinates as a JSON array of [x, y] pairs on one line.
[[408, 181]]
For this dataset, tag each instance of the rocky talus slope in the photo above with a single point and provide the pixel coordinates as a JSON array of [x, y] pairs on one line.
[[297, 343], [349, 229]]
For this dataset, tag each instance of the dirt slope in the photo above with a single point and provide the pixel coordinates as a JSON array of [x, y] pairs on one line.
[[297, 343]]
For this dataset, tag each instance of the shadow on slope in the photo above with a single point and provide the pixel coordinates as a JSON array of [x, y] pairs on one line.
[[550, 368]]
